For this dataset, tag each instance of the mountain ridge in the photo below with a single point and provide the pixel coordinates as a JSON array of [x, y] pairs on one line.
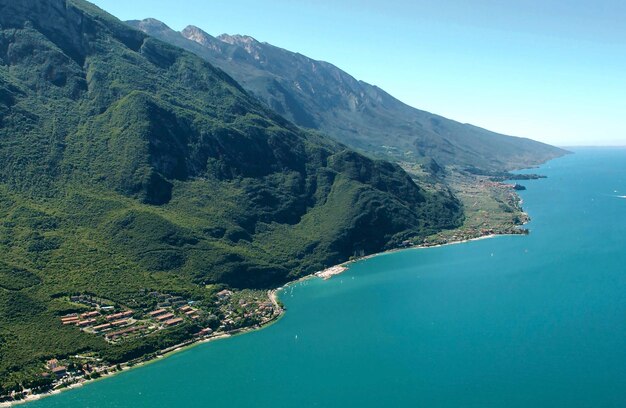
[[318, 95]]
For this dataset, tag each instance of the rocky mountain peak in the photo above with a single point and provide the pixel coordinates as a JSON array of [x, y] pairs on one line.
[[150, 24], [249, 44], [196, 34], [237, 39]]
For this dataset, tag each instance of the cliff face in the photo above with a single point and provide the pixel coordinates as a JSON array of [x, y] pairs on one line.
[[65, 23]]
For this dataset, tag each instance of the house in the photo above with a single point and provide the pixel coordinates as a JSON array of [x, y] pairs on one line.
[[90, 314], [173, 322], [164, 317], [59, 371], [224, 294], [54, 363], [120, 315], [157, 312], [69, 320], [85, 323], [128, 330], [206, 331], [120, 322], [102, 327]]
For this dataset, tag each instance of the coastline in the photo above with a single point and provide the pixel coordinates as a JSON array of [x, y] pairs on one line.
[[343, 267], [272, 294], [130, 365]]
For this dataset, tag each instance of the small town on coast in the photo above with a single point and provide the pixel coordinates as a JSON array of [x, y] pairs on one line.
[[233, 312]]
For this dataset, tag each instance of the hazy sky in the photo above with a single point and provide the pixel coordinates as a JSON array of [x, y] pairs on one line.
[[554, 71]]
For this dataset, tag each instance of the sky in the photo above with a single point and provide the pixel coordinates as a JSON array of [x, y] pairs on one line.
[[554, 71]]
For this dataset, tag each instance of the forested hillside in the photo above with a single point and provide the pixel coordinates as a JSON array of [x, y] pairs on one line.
[[129, 165]]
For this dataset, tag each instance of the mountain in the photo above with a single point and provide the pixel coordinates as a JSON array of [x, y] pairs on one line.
[[318, 95], [129, 165]]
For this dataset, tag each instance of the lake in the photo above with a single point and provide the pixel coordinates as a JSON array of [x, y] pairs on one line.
[[513, 321]]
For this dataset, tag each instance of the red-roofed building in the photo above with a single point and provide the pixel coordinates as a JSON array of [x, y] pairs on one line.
[[120, 315], [166, 316], [157, 312], [173, 322], [59, 371], [84, 323], [102, 327]]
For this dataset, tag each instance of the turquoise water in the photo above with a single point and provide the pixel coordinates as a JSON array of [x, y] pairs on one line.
[[519, 321]]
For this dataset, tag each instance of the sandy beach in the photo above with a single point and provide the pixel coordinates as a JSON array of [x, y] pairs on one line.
[[341, 268], [330, 272]]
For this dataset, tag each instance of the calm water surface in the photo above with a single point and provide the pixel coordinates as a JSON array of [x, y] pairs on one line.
[[535, 321]]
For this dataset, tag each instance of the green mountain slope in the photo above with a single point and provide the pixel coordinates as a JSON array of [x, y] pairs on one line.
[[129, 165], [318, 95]]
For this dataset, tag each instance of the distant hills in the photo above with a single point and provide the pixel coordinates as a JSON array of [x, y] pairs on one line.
[[318, 95]]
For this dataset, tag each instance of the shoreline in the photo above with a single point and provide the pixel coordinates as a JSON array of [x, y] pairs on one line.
[[272, 294], [343, 267], [162, 354]]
